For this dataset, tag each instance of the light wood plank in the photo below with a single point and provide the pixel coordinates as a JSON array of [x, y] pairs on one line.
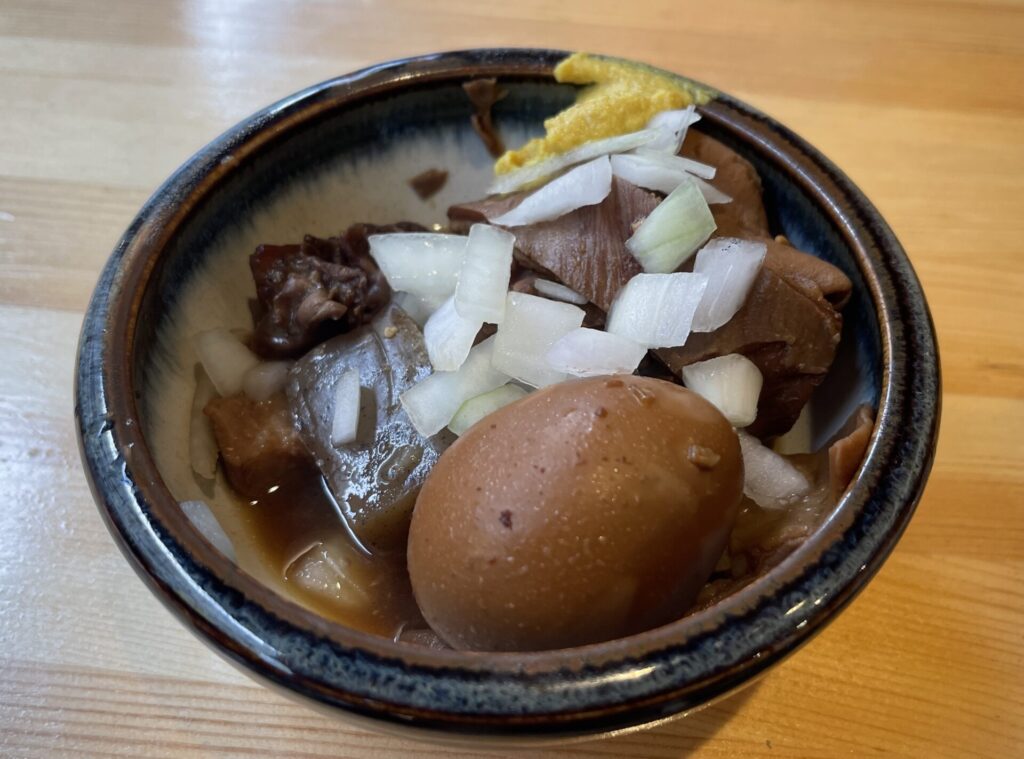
[[920, 101]]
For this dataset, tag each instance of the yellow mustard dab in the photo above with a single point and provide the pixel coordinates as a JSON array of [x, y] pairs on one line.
[[622, 97]]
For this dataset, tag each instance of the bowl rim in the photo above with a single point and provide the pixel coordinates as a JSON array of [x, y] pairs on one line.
[[603, 686]]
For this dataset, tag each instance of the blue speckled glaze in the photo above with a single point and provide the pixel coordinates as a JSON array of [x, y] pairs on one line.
[[889, 358]]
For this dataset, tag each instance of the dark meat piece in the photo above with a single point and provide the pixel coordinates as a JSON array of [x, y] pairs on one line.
[[428, 183], [745, 217], [375, 479], [847, 452], [306, 293], [816, 278], [483, 94], [795, 347], [787, 327], [735, 176], [584, 249], [258, 444]]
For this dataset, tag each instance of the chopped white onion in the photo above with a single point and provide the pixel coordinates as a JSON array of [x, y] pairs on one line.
[[731, 266], [643, 172], [646, 173], [585, 185], [485, 273], [225, 359], [656, 310], [769, 479], [527, 175], [679, 225], [418, 308], [202, 518], [731, 382], [702, 170], [202, 446], [591, 352], [432, 402], [449, 337], [422, 263], [799, 437], [476, 408], [532, 325], [712, 195], [265, 379], [347, 396], [672, 126], [328, 571], [558, 291]]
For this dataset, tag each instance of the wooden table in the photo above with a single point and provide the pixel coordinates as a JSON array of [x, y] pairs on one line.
[[921, 101]]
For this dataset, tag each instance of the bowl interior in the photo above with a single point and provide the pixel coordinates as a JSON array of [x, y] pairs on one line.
[[352, 165]]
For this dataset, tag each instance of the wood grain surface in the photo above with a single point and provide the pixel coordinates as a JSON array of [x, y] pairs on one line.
[[920, 101]]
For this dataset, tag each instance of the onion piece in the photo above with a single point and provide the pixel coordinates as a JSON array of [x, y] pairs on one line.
[[418, 308], [225, 359], [731, 382], [532, 325], [345, 419], [558, 291], [202, 518], [768, 478], [656, 310], [702, 170], [425, 264], [677, 226], [265, 379], [644, 172], [590, 352], [476, 408], [330, 572], [432, 402], [485, 273], [528, 175], [712, 195], [585, 185], [202, 445], [672, 126], [731, 266], [449, 337]]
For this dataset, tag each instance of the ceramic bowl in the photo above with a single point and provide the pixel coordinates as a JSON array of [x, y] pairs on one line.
[[340, 152]]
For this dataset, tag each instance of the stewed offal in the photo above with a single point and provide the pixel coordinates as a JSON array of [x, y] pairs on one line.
[[553, 421]]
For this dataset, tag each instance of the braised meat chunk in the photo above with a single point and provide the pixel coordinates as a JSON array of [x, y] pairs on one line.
[[374, 479], [584, 249], [788, 327], [735, 176], [321, 287], [259, 445]]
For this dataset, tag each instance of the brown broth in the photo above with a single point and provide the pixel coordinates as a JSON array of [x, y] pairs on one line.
[[303, 521], [289, 525]]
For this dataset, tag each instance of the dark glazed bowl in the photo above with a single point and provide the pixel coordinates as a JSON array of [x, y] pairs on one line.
[[891, 359]]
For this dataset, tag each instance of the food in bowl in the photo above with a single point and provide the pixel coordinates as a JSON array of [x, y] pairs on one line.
[[551, 423]]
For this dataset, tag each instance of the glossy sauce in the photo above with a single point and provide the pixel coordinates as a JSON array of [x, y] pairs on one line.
[[300, 536]]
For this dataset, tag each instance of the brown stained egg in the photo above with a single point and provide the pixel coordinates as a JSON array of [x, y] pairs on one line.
[[586, 511]]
